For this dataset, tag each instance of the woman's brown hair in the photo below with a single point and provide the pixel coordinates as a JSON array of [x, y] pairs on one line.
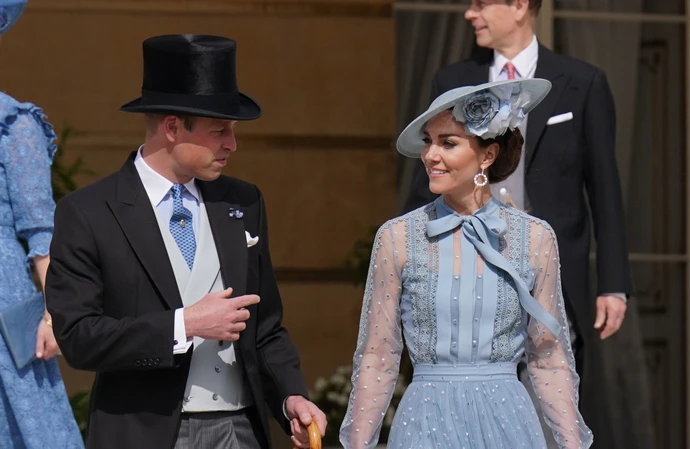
[[510, 148]]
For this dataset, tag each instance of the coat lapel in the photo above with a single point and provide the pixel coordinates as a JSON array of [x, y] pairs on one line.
[[478, 71], [548, 67], [228, 233], [132, 209]]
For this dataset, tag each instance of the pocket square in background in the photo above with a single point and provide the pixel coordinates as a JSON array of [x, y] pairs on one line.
[[251, 241], [560, 118]]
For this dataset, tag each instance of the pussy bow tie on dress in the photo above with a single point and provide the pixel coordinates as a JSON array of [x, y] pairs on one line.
[[483, 230]]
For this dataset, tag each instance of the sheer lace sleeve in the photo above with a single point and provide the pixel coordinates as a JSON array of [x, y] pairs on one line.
[[379, 345], [26, 153], [551, 363]]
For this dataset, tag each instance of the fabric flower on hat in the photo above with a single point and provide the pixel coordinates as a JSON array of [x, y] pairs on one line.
[[488, 114], [477, 112]]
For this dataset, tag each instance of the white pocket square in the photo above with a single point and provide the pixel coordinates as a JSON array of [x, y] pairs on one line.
[[251, 241], [560, 118]]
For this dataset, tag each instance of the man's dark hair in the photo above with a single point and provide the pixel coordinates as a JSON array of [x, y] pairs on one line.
[[154, 119]]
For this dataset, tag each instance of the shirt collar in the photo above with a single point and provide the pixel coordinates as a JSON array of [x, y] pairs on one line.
[[157, 187], [525, 61]]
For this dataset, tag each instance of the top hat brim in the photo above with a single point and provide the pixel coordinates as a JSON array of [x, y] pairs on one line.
[[410, 142], [248, 109]]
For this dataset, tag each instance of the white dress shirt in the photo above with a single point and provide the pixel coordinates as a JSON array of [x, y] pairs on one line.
[[525, 63], [158, 190]]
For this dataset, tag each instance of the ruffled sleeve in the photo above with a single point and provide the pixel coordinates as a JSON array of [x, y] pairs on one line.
[[27, 149]]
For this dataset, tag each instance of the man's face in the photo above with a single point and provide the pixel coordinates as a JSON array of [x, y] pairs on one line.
[[203, 151], [494, 22]]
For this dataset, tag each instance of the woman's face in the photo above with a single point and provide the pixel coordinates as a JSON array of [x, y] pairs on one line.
[[452, 157]]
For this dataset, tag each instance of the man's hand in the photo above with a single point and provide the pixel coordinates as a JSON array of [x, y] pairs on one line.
[[217, 316], [301, 413], [46, 346], [610, 310]]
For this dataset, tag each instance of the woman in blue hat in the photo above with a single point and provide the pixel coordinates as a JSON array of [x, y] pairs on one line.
[[34, 409], [469, 284]]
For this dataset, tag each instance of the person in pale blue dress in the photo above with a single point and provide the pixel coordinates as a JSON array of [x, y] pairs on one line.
[[34, 409], [469, 284]]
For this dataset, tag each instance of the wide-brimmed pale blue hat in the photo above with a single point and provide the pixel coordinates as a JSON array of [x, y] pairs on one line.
[[487, 110], [10, 10]]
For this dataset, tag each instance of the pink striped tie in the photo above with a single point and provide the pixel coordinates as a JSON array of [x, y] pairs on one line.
[[510, 68]]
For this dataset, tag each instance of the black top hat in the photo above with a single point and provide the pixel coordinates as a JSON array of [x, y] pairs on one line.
[[192, 74]]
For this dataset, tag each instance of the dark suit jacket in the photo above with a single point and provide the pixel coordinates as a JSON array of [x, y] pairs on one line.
[[562, 161], [112, 294]]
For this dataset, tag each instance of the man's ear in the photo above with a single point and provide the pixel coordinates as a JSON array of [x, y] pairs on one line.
[[171, 127]]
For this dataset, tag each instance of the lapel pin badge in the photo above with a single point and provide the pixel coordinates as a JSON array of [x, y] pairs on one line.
[[235, 213]]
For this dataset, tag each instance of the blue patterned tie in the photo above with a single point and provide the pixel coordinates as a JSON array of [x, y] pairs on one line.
[[181, 226]]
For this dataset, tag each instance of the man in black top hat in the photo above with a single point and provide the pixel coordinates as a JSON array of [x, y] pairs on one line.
[[161, 279]]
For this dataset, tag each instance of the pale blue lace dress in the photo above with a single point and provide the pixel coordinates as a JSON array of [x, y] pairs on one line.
[[470, 294], [34, 409]]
